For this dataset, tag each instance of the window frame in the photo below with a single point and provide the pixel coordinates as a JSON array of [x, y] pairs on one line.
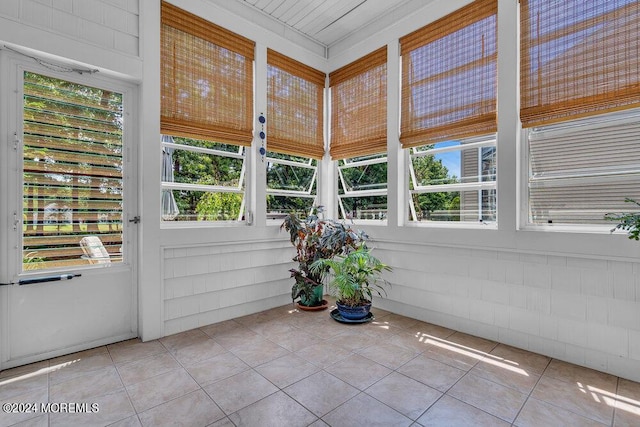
[[239, 189], [15, 66], [349, 194], [309, 193], [571, 126], [477, 143]]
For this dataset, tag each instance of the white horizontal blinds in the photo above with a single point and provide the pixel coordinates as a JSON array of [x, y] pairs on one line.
[[581, 170], [359, 107], [72, 171], [578, 58], [206, 79], [295, 107], [449, 77]]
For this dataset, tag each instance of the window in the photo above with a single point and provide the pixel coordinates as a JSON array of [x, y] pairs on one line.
[[295, 95], [206, 117], [582, 169], [206, 180], [454, 181], [448, 116], [72, 171], [359, 136], [291, 185], [579, 84], [362, 187]]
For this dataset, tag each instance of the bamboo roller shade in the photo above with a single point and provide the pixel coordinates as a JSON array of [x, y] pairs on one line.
[[449, 77], [295, 107], [578, 58], [206, 79], [359, 107]]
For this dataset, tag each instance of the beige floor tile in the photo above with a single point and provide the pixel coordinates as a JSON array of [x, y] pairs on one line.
[[575, 397], [475, 343], [321, 392], [424, 330], [358, 371], [287, 370], [217, 368], [135, 372], [161, 389], [506, 374], [194, 409], [258, 351], [83, 387], [272, 327], [571, 373], [37, 396], [223, 327], [132, 350], [432, 373], [39, 421], [61, 371], [132, 421], [407, 396], [496, 399], [364, 410], [276, 410], [194, 353], [389, 355], [294, 340], [453, 413], [26, 370], [23, 383], [352, 339], [453, 354], [184, 339], [260, 317], [379, 329], [240, 390], [74, 357], [323, 354], [410, 341], [627, 411], [399, 321], [537, 413], [521, 359], [224, 422], [111, 407], [234, 338]]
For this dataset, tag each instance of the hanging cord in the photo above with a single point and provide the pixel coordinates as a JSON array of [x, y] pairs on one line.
[[52, 66]]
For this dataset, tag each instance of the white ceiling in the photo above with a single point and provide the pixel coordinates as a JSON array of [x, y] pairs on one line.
[[324, 21]]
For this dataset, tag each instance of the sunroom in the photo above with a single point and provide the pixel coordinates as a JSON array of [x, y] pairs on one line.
[[150, 151]]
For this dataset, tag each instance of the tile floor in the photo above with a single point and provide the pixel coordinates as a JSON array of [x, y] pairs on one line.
[[282, 367]]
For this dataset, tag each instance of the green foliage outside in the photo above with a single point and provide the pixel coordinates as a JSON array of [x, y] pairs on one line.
[[628, 221], [428, 169]]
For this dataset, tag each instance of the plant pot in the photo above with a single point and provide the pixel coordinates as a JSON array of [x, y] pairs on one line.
[[354, 313], [316, 297]]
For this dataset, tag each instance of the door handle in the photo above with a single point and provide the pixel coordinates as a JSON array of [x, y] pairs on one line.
[[135, 220]]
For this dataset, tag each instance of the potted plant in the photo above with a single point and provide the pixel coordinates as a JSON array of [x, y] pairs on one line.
[[629, 221], [314, 239], [357, 276]]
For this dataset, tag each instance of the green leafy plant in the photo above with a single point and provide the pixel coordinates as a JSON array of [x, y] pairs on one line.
[[356, 276], [628, 221], [315, 239]]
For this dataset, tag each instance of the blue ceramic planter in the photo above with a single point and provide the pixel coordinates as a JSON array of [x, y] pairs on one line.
[[353, 313]]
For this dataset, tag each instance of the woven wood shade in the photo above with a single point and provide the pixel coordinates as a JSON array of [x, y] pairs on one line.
[[579, 58], [295, 107], [206, 79], [449, 77], [359, 107]]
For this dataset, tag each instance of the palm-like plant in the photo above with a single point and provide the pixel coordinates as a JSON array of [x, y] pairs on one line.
[[357, 276]]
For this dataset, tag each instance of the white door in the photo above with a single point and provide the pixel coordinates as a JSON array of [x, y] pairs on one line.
[[70, 268]]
